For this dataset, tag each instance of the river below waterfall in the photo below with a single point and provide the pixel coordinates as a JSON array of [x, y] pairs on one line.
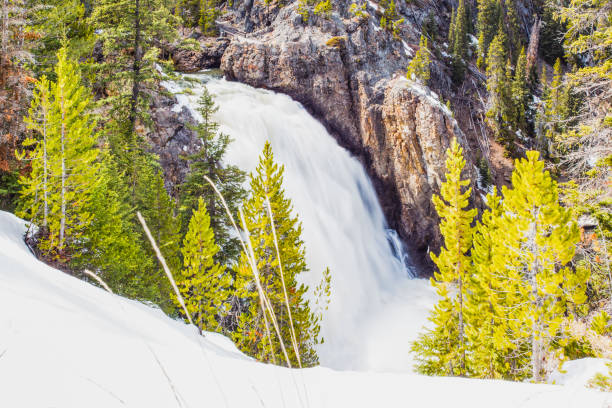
[[376, 306]]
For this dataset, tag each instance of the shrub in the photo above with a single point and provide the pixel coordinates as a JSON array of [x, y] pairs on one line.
[[335, 42]]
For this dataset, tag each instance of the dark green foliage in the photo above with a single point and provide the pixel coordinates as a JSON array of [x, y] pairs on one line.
[[458, 41], [430, 27], [61, 22], [114, 249], [489, 15], [9, 189], [484, 172], [520, 92], [551, 37], [500, 107], [515, 33], [131, 32]]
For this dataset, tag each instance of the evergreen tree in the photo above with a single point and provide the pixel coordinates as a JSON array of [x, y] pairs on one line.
[[208, 16], [203, 283], [131, 32], [68, 164], [112, 248], [485, 304], [229, 180], [556, 104], [459, 41], [520, 92], [430, 27], [540, 241], [584, 146], [159, 211], [38, 121], [514, 28], [266, 184], [489, 13], [499, 104], [418, 69], [60, 23], [442, 350]]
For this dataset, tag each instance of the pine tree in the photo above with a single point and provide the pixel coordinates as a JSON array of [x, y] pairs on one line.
[[442, 350], [489, 13], [520, 92], [499, 104], [112, 248], [556, 104], [159, 210], [208, 16], [203, 283], [584, 147], [540, 239], [38, 121], [60, 23], [70, 148], [266, 184], [418, 69], [485, 305], [131, 32], [514, 28], [228, 179], [459, 41]]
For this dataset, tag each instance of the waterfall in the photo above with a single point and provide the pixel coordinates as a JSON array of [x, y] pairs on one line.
[[368, 324]]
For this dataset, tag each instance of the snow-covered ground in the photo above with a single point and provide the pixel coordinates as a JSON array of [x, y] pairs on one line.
[[65, 343]]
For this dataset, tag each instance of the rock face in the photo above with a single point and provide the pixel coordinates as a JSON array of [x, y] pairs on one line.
[[172, 139], [409, 153], [349, 73], [208, 55]]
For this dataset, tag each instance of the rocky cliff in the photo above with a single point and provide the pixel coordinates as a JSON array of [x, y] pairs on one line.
[[350, 74]]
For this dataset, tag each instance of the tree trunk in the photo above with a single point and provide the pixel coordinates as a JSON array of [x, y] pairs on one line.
[[536, 341]]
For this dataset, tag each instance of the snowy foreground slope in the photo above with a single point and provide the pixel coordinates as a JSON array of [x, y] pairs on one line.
[[65, 343]]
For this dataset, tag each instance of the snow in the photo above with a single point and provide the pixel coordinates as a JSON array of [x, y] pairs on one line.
[[577, 373], [65, 343], [409, 52], [430, 96], [473, 40], [373, 5]]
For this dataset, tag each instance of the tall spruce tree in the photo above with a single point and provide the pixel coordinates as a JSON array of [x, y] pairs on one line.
[[131, 32], [229, 180], [489, 12], [68, 164], [458, 41], [520, 92], [203, 283], [266, 184], [442, 350], [514, 28], [540, 240], [500, 107]]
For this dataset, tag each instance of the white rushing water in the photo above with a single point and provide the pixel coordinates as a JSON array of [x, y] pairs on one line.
[[376, 308]]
